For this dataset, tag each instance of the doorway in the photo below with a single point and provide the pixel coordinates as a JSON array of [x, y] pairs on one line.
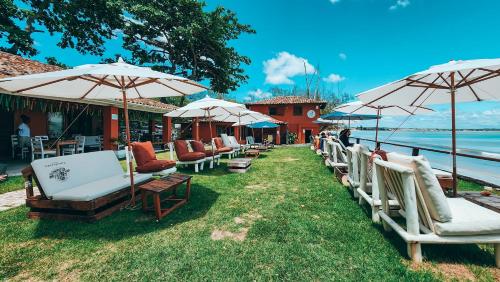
[[6, 130], [307, 135]]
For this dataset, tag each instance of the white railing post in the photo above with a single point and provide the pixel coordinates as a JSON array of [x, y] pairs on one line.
[[411, 212]]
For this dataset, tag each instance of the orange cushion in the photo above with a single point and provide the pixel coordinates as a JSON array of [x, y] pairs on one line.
[[143, 152], [218, 143], [180, 147], [197, 146], [155, 166], [208, 153], [191, 156], [224, 149]]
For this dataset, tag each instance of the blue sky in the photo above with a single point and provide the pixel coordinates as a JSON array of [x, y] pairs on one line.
[[361, 43]]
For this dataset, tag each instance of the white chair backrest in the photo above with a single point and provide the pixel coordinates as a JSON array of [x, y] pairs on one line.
[[225, 140], [233, 141], [250, 140], [353, 163], [80, 145], [42, 137], [338, 154], [14, 140], [399, 181], [36, 144]]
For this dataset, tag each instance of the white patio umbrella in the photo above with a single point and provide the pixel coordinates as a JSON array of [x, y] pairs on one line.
[[207, 108], [358, 107], [103, 81], [456, 81], [243, 117]]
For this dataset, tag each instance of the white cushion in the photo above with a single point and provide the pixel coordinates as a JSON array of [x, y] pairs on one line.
[[431, 191], [468, 219], [66, 172], [93, 190]]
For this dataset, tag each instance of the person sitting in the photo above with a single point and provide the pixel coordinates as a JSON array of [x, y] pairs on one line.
[[344, 137]]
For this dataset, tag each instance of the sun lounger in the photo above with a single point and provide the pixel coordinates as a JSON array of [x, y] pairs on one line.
[[337, 157], [221, 149], [353, 168], [253, 145], [368, 190], [84, 187], [146, 162], [211, 157], [186, 155], [430, 217]]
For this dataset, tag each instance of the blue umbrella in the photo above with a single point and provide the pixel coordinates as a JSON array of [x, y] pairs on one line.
[[263, 124], [347, 116]]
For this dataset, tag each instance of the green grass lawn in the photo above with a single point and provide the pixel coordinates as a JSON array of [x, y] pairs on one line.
[[286, 219], [11, 184]]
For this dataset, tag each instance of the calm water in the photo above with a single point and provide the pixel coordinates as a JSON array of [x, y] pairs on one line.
[[474, 143]]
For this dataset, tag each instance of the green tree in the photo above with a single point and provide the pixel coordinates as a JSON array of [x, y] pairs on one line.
[[180, 37], [83, 25]]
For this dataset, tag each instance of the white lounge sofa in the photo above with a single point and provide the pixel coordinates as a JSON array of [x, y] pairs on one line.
[[231, 144], [80, 186], [431, 218]]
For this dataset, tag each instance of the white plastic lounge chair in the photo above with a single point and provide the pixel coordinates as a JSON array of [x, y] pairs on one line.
[[368, 190], [235, 143], [164, 172], [227, 142], [337, 157], [431, 218], [353, 168], [198, 161]]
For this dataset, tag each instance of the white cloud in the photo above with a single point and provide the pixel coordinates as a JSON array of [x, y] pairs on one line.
[[342, 56], [333, 78], [281, 69], [258, 94], [400, 4], [334, 1]]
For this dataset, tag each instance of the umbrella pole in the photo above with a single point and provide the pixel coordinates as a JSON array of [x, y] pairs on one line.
[[211, 141], [453, 135], [376, 129], [129, 148]]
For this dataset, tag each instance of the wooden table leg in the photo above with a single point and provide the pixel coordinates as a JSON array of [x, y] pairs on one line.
[[188, 189], [144, 200], [157, 204]]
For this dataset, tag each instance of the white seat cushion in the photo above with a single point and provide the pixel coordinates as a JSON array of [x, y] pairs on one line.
[[93, 190], [468, 219], [66, 172]]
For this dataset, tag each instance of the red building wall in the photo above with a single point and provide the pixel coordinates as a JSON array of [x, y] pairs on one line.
[[298, 124]]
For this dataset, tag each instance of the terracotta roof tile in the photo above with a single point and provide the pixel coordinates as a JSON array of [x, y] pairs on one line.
[[13, 65], [282, 100]]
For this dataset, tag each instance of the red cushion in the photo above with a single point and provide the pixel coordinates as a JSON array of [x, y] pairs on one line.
[[191, 156], [181, 147], [198, 146], [143, 152], [224, 149], [218, 143], [155, 166]]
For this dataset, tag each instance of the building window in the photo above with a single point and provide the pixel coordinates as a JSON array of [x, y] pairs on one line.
[[273, 111], [297, 110], [55, 125]]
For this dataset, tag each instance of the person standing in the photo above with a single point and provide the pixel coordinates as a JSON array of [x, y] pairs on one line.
[[24, 131]]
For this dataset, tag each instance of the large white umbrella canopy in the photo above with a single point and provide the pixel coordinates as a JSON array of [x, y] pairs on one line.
[[207, 107], [474, 80], [358, 107], [456, 81], [103, 81], [243, 117]]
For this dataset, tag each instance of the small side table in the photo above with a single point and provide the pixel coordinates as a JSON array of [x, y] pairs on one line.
[[239, 165], [252, 153], [158, 186]]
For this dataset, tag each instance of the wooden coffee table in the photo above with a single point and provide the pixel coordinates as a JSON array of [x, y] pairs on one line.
[[252, 153], [164, 184], [240, 165]]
